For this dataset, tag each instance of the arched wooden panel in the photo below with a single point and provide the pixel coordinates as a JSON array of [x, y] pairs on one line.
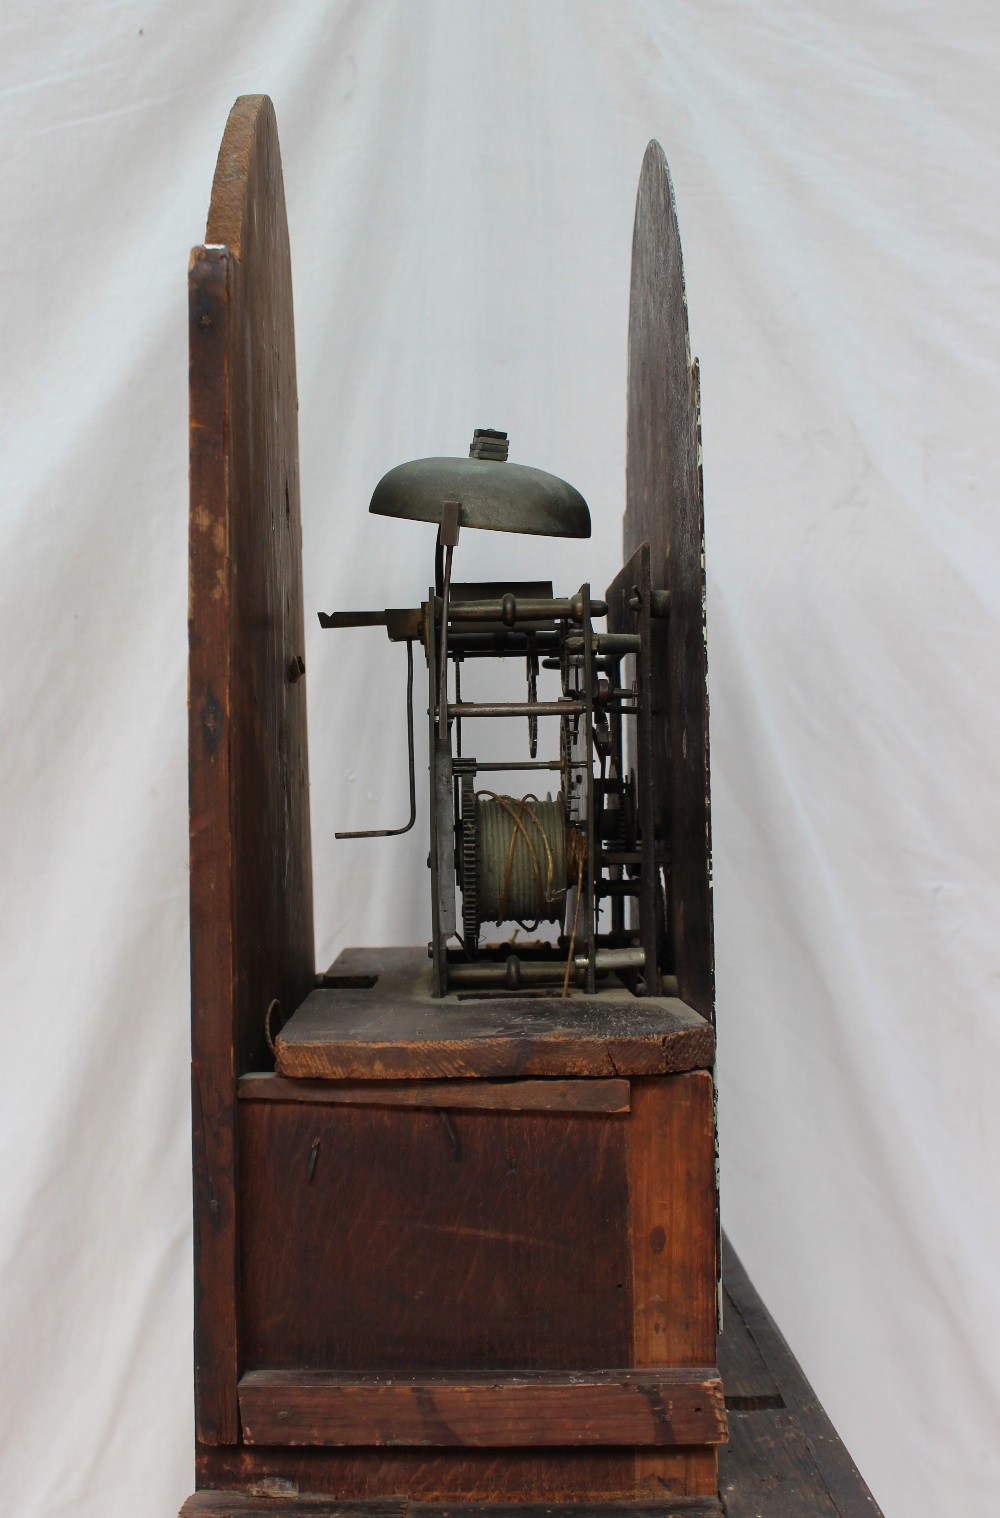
[[664, 508], [251, 881]]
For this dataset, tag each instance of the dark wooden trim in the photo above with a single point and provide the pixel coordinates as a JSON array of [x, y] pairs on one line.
[[229, 1504], [571, 1096], [485, 1477], [212, 968], [651, 1407], [664, 508]]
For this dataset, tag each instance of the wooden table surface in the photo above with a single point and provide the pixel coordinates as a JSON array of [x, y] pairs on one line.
[[784, 1458]]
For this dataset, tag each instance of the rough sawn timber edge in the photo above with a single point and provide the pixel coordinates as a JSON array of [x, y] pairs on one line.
[[383, 1024]]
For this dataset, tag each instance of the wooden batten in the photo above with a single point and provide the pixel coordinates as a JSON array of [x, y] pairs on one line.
[[654, 1407], [442, 1096], [536, 1474]]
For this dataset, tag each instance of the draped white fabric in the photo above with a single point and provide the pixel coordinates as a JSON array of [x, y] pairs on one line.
[[460, 179]]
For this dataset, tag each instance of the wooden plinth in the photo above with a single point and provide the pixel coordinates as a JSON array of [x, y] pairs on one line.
[[784, 1458]]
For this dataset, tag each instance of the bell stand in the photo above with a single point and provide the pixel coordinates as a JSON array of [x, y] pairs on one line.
[[542, 1332]]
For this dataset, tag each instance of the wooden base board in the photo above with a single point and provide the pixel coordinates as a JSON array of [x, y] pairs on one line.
[[783, 1460], [551, 1477], [239, 1505]]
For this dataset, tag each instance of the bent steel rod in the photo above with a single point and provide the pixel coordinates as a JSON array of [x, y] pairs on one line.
[[396, 832]]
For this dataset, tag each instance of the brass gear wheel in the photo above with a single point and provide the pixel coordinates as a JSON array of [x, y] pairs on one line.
[[470, 895]]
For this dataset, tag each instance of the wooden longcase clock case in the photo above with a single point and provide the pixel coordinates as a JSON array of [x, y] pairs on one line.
[[475, 1262]]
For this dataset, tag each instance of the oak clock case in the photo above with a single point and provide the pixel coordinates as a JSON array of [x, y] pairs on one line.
[[455, 1205]]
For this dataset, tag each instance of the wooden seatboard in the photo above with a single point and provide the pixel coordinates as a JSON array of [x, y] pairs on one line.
[[395, 1029], [664, 508], [251, 883], [445, 1096], [652, 1407]]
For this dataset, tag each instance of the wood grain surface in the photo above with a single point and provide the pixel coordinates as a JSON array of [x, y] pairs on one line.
[[672, 1217], [237, 1505], [671, 1161], [778, 1477], [611, 1407], [664, 509], [381, 1239], [750, 1386], [782, 1461], [251, 892], [396, 1239], [394, 1029], [498, 1096], [522, 1476]]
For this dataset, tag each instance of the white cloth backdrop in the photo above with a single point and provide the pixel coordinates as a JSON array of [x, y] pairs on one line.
[[460, 181]]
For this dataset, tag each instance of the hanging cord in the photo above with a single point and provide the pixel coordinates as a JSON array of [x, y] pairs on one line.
[[508, 804], [579, 848], [546, 900], [267, 1025]]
